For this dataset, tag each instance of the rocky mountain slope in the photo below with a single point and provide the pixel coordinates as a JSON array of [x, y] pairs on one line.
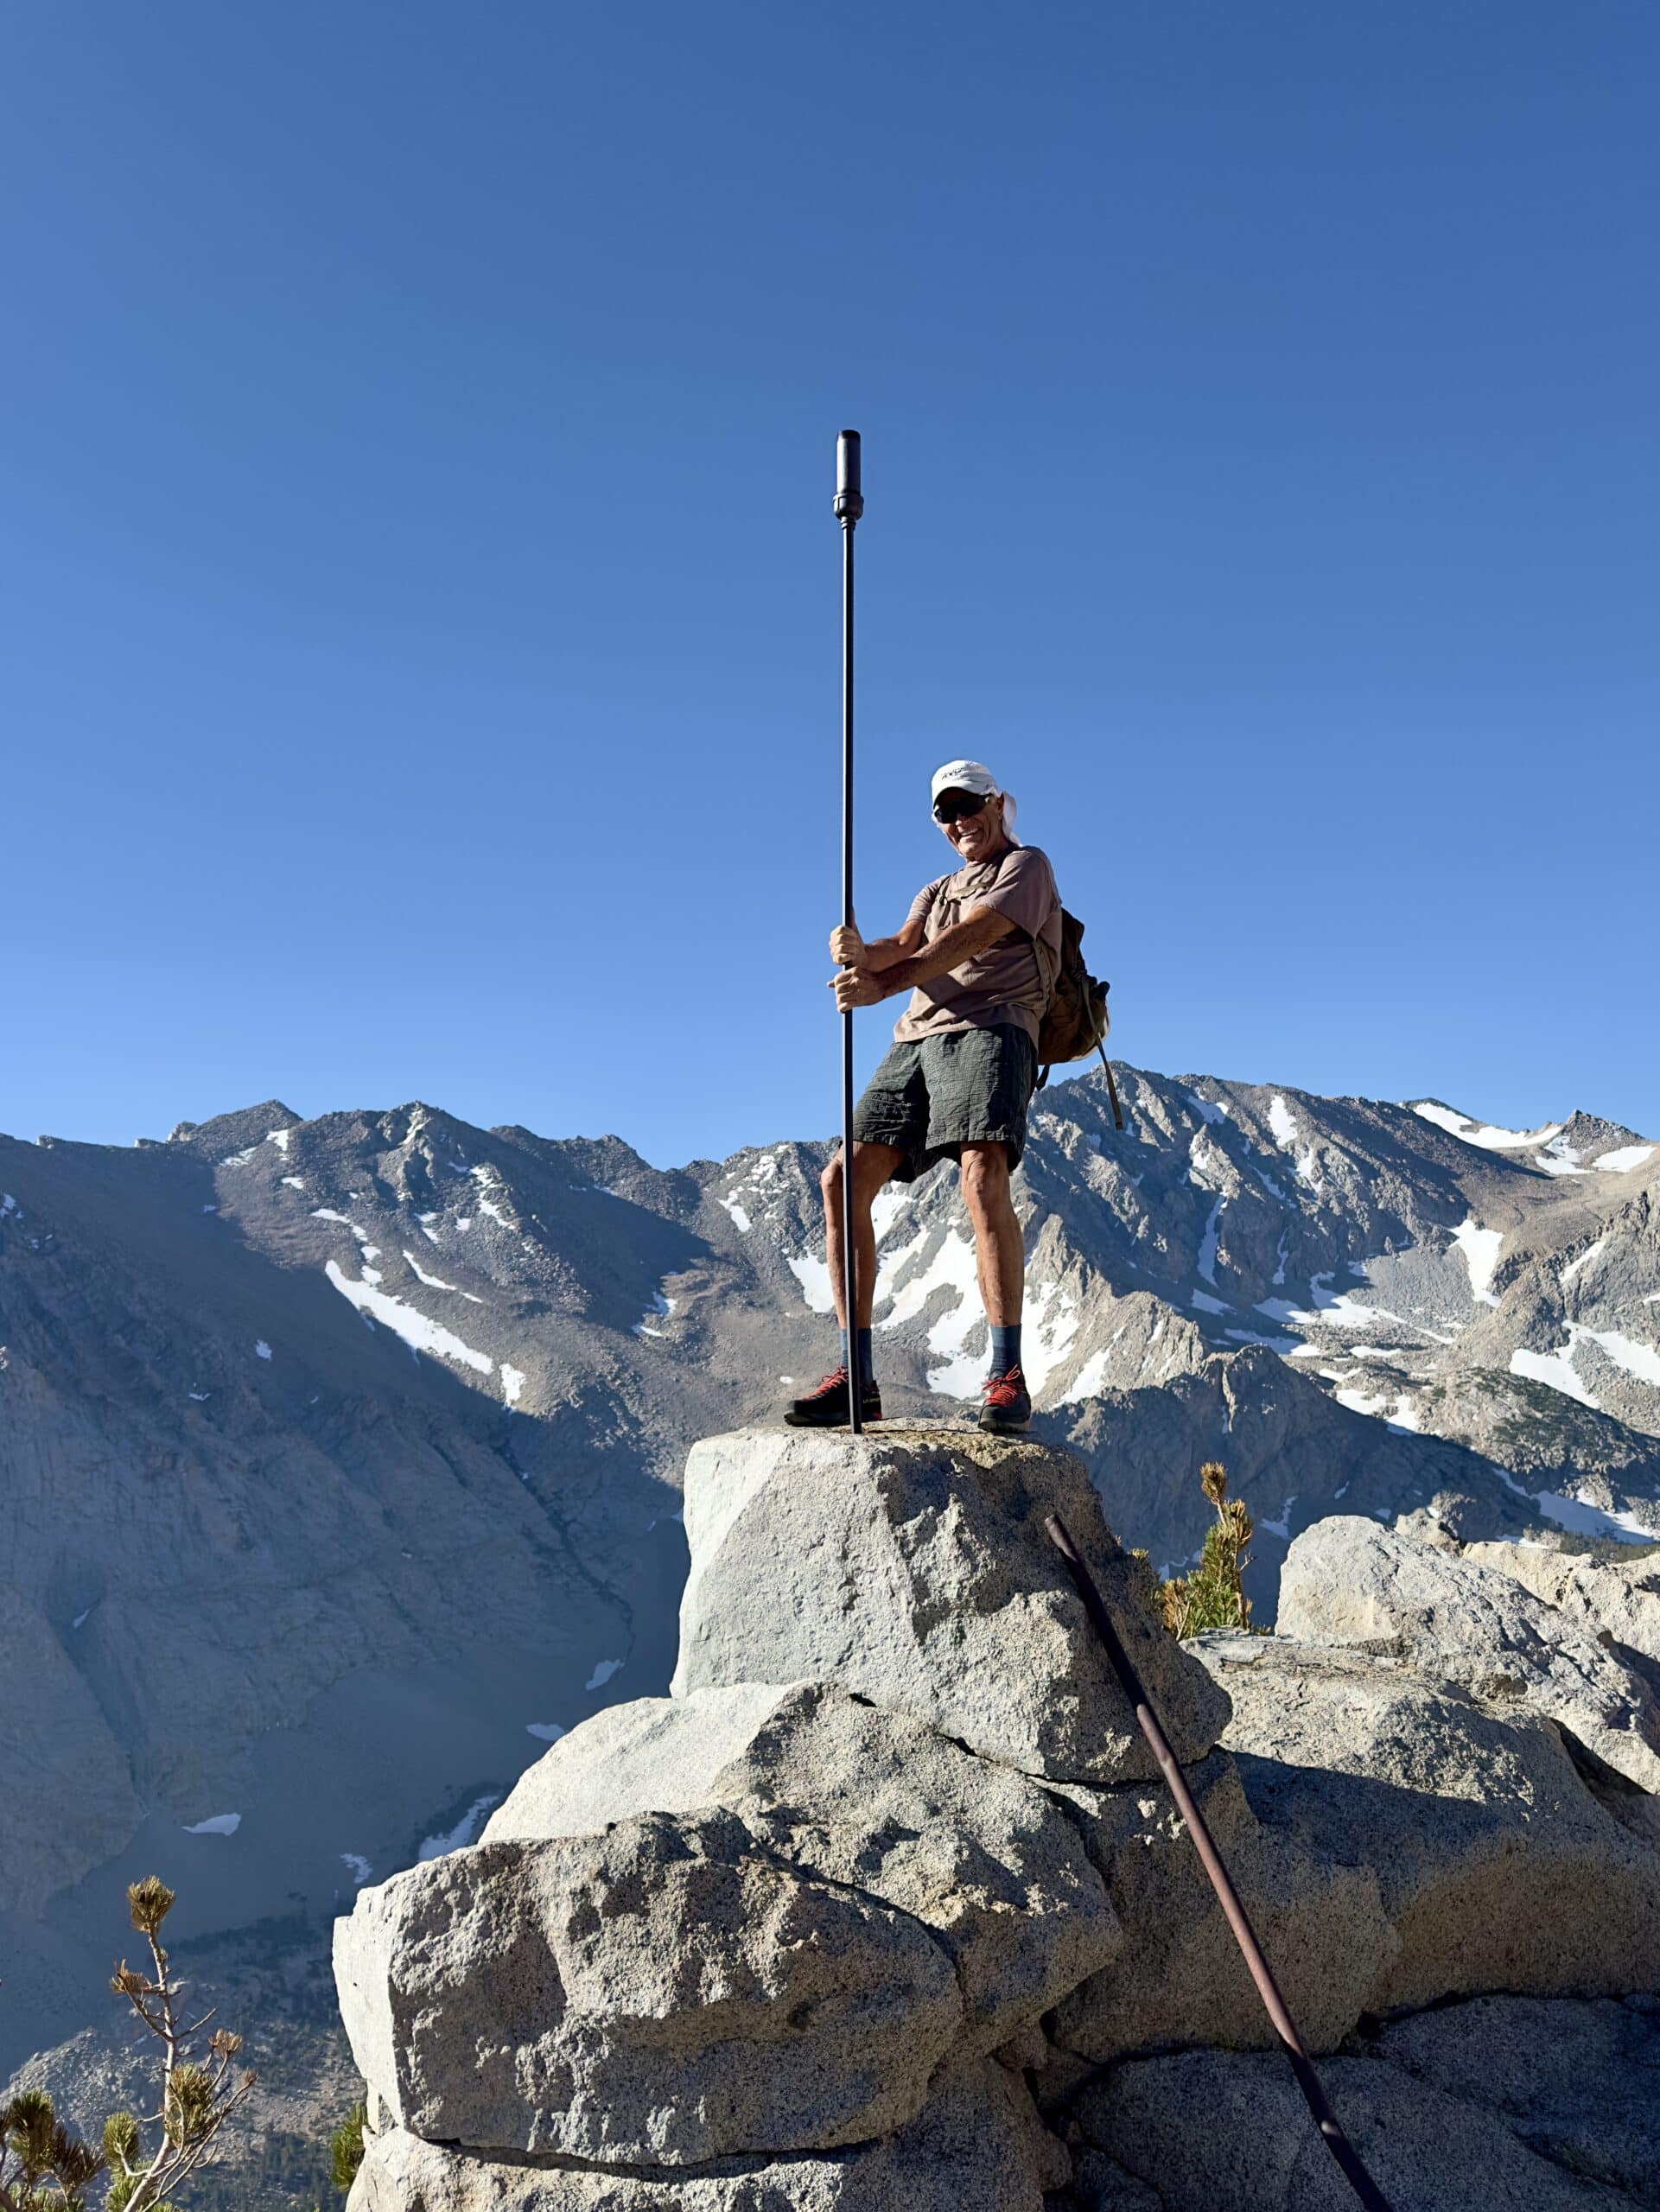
[[857, 1919], [1345, 1300], [340, 1459]]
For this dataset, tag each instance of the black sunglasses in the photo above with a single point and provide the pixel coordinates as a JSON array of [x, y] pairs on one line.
[[957, 806]]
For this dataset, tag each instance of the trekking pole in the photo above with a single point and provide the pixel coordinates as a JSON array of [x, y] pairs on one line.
[[1112, 1088], [849, 506], [1330, 2127]]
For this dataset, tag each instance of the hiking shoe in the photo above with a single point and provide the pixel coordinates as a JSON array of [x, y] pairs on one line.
[[828, 1405], [1008, 1405]]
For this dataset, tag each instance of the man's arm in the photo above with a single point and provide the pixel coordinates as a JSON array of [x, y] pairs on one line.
[[848, 949], [866, 984]]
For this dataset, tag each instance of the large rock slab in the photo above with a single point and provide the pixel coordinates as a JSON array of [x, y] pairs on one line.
[[1347, 1580], [652, 1755], [1617, 1599], [982, 1856], [666, 1993], [976, 2147], [912, 1566], [1180, 1978], [1577, 2082], [1228, 2131], [1496, 1867]]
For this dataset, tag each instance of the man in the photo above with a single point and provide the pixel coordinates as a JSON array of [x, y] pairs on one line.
[[979, 953]]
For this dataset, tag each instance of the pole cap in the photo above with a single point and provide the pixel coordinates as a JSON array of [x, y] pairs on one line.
[[850, 497]]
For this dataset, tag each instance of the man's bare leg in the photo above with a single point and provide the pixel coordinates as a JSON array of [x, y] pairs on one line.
[[999, 1248], [999, 1257], [831, 1405], [873, 1166]]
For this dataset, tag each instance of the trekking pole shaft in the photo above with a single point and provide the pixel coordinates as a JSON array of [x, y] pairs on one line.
[[1112, 1092], [1330, 2128], [850, 1291]]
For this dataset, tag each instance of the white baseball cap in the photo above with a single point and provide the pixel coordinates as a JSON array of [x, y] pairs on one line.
[[964, 776]]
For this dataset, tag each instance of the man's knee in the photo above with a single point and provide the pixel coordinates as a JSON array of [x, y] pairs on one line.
[[873, 1166], [985, 1174]]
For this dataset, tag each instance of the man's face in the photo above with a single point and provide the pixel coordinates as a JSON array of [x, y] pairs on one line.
[[975, 836]]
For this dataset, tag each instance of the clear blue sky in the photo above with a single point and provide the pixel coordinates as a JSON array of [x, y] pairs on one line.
[[421, 595]]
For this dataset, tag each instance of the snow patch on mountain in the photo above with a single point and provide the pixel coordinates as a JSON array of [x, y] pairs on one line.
[[889, 1203], [1486, 1135], [1087, 1383], [1561, 1158], [418, 1330], [1481, 1248], [437, 1283], [1623, 1160], [952, 1268], [1583, 1518], [1553, 1369], [1208, 1243], [1357, 1401], [1051, 1322], [435, 1846], [891, 1265], [963, 1370], [1640, 1360], [812, 1272], [1583, 1261]]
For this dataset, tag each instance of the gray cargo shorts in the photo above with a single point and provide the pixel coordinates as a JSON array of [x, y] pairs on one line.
[[931, 1097]]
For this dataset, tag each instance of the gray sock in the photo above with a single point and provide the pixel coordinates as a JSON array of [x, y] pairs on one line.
[[1005, 1348], [866, 1376]]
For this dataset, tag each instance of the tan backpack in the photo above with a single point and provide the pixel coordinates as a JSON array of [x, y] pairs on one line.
[[1076, 1019]]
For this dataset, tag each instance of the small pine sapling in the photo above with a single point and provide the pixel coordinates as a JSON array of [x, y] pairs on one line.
[[1213, 1594], [43, 2167], [345, 2147], [46, 2168], [198, 2095]]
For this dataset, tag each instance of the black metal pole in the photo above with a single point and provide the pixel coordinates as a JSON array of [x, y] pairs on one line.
[[1112, 1089], [1332, 2130], [849, 506]]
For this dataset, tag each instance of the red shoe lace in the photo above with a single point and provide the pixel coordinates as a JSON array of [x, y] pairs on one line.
[[836, 1380], [1004, 1390]]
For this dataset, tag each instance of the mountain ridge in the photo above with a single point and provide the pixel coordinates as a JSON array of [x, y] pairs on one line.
[[391, 1411]]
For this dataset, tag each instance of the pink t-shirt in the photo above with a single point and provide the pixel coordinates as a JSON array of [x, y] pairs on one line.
[[1010, 981]]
